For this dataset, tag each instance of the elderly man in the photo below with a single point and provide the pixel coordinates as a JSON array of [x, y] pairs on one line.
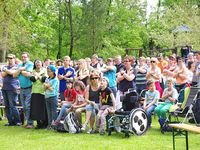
[[23, 73], [9, 91]]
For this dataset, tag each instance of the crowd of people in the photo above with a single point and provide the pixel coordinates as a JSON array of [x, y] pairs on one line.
[[91, 85]]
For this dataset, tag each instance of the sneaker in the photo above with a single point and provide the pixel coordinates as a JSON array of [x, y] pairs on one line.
[[102, 132], [18, 124], [90, 131], [84, 127], [8, 124], [96, 131], [55, 123]]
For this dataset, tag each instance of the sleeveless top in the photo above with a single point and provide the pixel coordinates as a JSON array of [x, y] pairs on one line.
[[94, 95]]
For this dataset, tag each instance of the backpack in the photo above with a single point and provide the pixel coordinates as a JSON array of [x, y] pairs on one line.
[[60, 127], [71, 123]]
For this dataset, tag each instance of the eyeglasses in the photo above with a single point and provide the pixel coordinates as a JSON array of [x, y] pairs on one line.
[[9, 58], [94, 78], [153, 61]]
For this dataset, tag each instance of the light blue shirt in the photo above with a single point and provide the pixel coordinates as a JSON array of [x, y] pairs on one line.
[[150, 96], [55, 87], [174, 94], [111, 75], [25, 81]]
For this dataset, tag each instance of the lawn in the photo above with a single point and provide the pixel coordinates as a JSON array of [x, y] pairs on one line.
[[19, 138]]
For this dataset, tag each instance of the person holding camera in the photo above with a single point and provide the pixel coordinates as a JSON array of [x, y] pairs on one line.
[[38, 106]]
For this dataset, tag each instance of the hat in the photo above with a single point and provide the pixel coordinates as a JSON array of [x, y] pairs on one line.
[[52, 68], [10, 56], [105, 78]]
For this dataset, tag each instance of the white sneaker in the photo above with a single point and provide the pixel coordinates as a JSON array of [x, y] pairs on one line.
[[90, 131], [84, 127]]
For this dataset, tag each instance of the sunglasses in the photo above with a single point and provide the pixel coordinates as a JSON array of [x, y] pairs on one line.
[[152, 61], [94, 78]]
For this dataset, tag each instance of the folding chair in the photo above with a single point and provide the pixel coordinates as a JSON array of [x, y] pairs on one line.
[[190, 95]]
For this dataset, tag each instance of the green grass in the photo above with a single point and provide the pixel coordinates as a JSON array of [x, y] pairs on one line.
[[19, 138]]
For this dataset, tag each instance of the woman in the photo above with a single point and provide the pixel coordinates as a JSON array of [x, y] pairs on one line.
[[92, 98], [38, 107], [51, 87], [82, 73], [125, 79], [155, 74]]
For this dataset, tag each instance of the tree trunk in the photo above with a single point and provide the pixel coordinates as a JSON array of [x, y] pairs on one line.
[[59, 32], [71, 29]]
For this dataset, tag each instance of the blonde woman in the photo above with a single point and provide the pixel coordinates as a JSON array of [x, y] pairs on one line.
[[154, 73], [82, 73]]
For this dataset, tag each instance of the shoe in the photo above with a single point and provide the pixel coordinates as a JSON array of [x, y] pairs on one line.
[[96, 131], [18, 124], [84, 127], [102, 132], [29, 127], [90, 131], [8, 124], [55, 123]]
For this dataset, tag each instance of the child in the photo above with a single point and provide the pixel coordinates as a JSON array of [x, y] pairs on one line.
[[107, 105], [169, 96], [151, 97], [51, 94], [70, 97], [79, 105]]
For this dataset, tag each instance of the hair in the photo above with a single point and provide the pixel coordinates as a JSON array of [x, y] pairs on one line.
[[25, 53], [80, 84], [34, 67], [190, 64], [130, 58], [149, 82], [94, 73], [170, 80], [67, 57]]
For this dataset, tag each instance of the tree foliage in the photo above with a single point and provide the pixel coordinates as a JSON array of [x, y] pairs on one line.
[[79, 28]]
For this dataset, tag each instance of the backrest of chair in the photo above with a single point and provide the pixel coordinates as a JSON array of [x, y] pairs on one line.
[[191, 97], [130, 100]]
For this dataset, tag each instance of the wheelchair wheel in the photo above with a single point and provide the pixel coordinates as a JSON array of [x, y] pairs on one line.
[[138, 121]]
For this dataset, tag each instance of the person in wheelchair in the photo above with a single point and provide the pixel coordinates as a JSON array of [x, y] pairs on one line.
[[151, 97], [169, 97], [107, 105]]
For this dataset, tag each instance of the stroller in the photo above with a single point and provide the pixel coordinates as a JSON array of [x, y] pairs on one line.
[[130, 118]]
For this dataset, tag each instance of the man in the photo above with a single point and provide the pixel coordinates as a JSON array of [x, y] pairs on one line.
[[23, 72], [9, 91], [65, 73]]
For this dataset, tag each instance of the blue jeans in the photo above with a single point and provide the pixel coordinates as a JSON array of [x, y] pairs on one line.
[[51, 105], [25, 97], [10, 101], [92, 108], [149, 113], [62, 96], [63, 111]]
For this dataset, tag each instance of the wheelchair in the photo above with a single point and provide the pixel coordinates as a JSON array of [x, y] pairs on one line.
[[130, 118]]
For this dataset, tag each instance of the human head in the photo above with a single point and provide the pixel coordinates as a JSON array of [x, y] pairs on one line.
[[11, 58], [79, 86], [104, 82], [51, 69], [25, 57], [150, 85], [66, 61], [37, 64]]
